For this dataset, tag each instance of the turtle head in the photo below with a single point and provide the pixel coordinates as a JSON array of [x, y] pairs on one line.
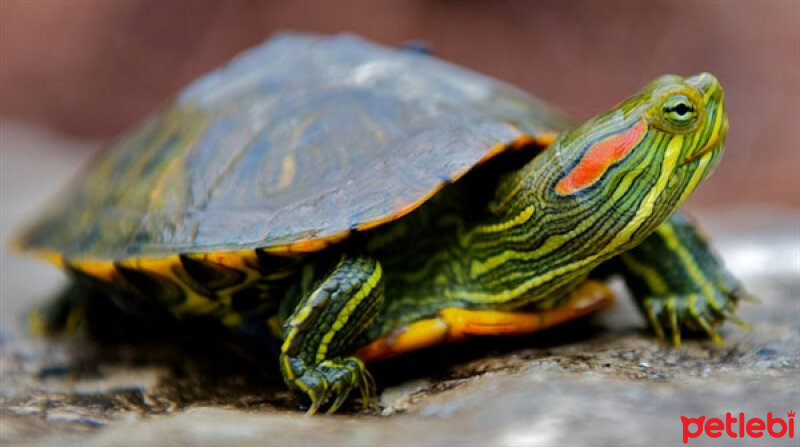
[[647, 154]]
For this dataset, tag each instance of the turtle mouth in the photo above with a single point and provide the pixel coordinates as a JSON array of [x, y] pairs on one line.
[[713, 144], [707, 149], [697, 158]]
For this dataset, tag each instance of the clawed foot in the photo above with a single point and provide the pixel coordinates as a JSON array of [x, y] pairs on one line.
[[332, 381], [696, 312]]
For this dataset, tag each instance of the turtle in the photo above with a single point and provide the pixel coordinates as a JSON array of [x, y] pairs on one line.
[[348, 202]]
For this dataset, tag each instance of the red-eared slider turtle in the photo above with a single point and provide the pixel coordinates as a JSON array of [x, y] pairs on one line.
[[340, 195]]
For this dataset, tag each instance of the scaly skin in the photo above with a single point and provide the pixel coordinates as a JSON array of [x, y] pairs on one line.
[[679, 283], [532, 239], [535, 243], [598, 192], [324, 325]]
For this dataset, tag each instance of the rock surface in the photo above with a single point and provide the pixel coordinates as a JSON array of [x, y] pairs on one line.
[[605, 381]]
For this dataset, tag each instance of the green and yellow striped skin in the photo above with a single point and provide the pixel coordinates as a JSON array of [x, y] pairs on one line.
[[535, 244], [507, 249], [679, 283]]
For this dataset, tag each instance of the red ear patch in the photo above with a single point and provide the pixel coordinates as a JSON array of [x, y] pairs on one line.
[[600, 157]]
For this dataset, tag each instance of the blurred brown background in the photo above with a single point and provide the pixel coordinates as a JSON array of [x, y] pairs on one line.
[[92, 68]]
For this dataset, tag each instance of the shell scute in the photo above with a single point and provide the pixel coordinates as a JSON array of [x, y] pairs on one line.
[[288, 148]]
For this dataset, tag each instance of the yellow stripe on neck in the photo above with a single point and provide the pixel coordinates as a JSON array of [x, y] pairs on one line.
[[644, 211]]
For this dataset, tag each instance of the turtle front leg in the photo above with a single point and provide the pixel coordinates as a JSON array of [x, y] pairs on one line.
[[679, 282], [323, 326]]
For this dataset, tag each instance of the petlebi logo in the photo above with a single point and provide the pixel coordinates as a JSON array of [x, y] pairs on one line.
[[738, 426]]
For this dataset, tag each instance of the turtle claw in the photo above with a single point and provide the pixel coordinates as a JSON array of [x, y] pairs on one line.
[[745, 296], [706, 326], [741, 324], [315, 403], [693, 313], [339, 401], [334, 379], [369, 388]]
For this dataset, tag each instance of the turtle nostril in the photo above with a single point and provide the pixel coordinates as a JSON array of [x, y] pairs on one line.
[[704, 82]]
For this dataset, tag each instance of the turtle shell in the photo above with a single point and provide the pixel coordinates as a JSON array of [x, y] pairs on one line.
[[290, 146]]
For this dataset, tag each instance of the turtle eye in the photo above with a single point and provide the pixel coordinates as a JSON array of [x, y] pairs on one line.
[[679, 110]]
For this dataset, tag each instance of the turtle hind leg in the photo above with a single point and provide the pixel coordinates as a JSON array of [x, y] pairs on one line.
[[322, 327], [64, 314], [679, 283], [84, 311], [454, 323]]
